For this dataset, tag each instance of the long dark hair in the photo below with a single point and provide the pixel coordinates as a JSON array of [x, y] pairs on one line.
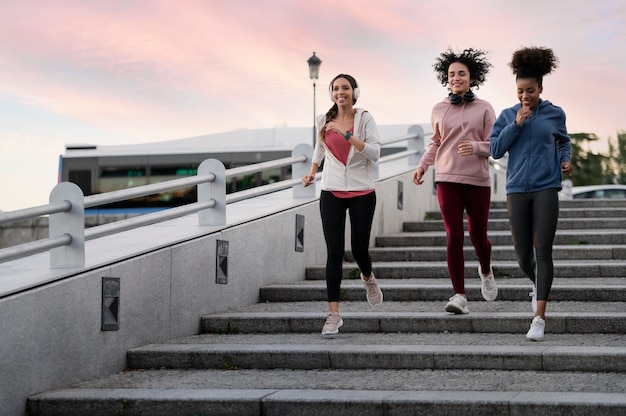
[[332, 112]]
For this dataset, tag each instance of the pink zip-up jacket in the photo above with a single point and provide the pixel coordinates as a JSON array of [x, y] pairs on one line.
[[470, 121]]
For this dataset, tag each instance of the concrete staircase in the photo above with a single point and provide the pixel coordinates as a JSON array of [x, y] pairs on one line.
[[407, 356]]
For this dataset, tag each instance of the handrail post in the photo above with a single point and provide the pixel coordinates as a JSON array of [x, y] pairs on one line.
[[416, 144], [298, 170], [214, 190], [71, 222]]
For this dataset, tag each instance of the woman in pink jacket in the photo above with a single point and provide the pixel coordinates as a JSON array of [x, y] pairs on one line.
[[460, 151]]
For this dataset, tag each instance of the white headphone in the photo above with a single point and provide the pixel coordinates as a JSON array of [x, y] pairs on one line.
[[355, 90]]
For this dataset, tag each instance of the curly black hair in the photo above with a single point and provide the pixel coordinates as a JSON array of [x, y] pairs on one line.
[[474, 59], [533, 62]]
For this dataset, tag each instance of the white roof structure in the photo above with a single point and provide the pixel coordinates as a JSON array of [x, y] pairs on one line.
[[271, 139]]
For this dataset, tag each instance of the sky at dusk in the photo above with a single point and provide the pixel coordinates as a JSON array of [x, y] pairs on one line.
[[126, 72]]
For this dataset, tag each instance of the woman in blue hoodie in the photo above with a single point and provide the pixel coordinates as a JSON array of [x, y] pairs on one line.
[[533, 133]]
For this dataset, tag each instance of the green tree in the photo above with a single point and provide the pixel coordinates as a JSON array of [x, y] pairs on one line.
[[589, 168], [617, 152]]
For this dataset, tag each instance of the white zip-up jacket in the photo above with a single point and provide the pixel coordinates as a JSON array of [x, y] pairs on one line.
[[357, 174]]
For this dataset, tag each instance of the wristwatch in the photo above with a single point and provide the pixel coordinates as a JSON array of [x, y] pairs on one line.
[[347, 135]]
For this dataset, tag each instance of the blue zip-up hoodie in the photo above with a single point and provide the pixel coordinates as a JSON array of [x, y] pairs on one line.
[[536, 149]]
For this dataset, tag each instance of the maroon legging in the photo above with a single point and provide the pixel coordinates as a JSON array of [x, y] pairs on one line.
[[454, 198]]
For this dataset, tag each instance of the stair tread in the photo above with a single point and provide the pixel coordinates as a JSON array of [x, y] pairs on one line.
[[501, 263], [423, 338], [435, 308], [514, 282], [574, 232], [416, 381]]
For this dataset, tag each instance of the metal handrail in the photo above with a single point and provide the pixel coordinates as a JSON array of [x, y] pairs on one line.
[[263, 166], [202, 178], [147, 219], [34, 247], [38, 211], [144, 190]]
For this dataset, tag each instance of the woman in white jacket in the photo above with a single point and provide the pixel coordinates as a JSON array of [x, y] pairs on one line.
[[348, 145]]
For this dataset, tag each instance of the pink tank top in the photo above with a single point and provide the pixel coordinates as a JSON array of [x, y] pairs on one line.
[[340, 148]]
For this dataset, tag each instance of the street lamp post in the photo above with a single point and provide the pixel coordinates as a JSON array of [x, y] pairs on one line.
[[314, 69]]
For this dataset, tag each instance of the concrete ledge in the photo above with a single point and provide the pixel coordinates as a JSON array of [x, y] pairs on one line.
[[160, 402]]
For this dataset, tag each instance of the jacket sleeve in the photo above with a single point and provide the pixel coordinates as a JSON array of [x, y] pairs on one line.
[[482, 148], [504, 134], [320, 148], [371, 137], [563, 140], [431, 150]]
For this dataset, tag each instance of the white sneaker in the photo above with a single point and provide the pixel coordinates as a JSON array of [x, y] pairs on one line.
[[457, 304], [488, 285], [533, 298], [333, 323], [537, 327]]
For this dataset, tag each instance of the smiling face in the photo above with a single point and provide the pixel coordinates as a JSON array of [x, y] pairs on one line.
[[528, 92], [459, 78], [342, 92]]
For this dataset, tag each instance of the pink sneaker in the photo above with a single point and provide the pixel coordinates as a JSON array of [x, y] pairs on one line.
[[374, 294], [333, 323]]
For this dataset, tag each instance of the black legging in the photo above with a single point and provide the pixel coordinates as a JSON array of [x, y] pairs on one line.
[[333, 213], [533, 217]]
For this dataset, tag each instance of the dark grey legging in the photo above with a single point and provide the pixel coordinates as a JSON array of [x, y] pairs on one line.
[[333, 212], [533, 217]]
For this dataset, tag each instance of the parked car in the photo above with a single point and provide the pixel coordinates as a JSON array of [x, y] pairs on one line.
[[599, 191]]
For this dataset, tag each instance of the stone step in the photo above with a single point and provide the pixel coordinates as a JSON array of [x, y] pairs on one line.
[[612, 321], [294, 400], [503, 224], [578, 203], [560, 252], [438, 269], [501, 213], [600, 290], [405, 338], [436, 307], [503, 238], [366, 356]]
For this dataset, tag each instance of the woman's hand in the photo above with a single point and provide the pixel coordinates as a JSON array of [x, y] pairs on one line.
[[417, 176], [331, 125], [522, 114], [566, 168], [308, 180], [465, 148]]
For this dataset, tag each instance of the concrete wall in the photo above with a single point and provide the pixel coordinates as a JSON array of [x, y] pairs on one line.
[[51, 336]]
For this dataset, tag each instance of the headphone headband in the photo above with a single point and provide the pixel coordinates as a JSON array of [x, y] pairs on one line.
[[456, 99]]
